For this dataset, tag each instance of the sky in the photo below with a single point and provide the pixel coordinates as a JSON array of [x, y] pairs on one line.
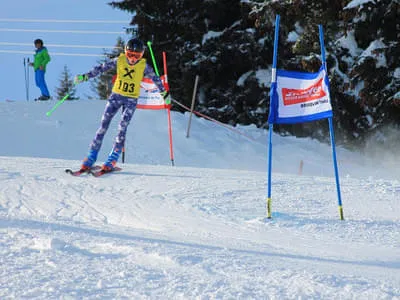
[[50, 13], [195, 230]]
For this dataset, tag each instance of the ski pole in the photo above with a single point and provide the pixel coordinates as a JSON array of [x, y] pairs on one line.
[[152, 57], [27, 89], [123, 148], [26, 79], [57, 105], [168, 100]]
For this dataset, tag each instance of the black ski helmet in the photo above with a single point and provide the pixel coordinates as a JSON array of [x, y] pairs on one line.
[[135, 45], [38, 41]]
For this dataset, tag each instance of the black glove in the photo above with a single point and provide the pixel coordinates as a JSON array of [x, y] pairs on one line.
[[165, 94], [167, 97]]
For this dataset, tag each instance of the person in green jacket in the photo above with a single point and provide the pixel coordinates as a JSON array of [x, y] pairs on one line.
[[41, 59]]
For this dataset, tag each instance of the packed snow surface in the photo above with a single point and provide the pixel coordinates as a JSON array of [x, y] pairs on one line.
[[195, 230]]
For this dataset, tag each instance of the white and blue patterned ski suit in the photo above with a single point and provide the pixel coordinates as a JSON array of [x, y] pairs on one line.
[[114, 103]]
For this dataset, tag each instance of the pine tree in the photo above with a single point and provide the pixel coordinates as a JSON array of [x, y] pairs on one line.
[[66, 86], [102, 85], [225, 41]]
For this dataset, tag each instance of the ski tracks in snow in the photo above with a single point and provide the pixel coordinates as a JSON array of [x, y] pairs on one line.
[[169, 232]]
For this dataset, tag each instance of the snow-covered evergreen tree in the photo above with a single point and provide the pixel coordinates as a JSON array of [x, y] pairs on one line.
[[229, 44], [66, 86]]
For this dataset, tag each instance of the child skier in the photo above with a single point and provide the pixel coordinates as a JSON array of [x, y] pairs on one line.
[[131, 68]]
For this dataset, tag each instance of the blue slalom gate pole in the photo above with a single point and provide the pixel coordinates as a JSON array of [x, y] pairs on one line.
[[321, 41], [271, 126]]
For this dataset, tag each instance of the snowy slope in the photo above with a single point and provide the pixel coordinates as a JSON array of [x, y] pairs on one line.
[[192, 231]]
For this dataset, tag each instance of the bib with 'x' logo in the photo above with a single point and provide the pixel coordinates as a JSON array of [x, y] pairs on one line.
[[129, 77]]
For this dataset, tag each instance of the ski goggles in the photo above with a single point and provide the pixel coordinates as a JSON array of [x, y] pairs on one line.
[[133, 54]]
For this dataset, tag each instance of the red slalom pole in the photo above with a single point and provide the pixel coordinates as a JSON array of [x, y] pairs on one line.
[[171, 151]]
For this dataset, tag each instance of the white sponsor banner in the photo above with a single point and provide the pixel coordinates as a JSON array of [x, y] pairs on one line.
[[149, 97], [302, 94]]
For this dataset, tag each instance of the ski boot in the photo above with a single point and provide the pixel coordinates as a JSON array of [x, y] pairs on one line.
[[89, 160]]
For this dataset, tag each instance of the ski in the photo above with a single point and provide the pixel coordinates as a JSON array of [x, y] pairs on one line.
[[80, 172], [99, 173]]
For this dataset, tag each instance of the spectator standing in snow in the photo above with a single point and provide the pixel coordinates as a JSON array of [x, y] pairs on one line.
[[131, 68], [41, 59]]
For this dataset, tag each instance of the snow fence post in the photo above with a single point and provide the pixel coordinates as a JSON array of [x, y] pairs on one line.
[[192, 105]]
